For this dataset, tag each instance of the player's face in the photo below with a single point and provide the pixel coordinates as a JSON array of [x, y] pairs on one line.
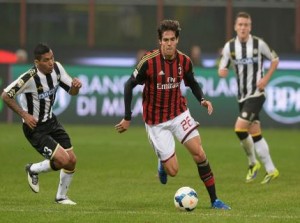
[[242, 28], [168, 44], [46, 63]]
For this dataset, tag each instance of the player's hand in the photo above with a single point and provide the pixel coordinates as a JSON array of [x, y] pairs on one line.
[[76, 83], [223, 72], [208, 105], [29, 120], [122, 126]]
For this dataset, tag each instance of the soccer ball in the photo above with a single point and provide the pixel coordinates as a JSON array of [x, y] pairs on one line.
[[186, 199]]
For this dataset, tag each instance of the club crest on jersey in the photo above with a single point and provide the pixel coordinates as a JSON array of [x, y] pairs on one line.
[[179, 70], [31, 72]]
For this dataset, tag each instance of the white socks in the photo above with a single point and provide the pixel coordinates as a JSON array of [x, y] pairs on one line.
[[41, 167], [64, 184], [262, 150], [248, 146]]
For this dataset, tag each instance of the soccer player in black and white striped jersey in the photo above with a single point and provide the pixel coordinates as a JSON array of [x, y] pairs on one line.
[[37, 89], [246, 53]]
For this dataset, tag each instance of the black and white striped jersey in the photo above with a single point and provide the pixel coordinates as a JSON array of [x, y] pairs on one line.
[[247, 60], [37, 91]]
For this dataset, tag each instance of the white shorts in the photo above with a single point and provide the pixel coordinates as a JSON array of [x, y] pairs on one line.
[[161, 136]]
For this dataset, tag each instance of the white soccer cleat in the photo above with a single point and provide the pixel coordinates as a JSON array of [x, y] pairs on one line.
[[33, 179], [66, 201]]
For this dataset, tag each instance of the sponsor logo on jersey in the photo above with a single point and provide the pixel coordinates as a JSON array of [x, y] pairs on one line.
[[47, 93], [283, 99], [161, 73], [245, 61]]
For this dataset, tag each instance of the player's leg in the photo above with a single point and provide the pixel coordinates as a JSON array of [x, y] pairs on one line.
[[66, 176], [65, 160], [185, 130], [44, 145], [194, 146], [163, 144], [241, 128], [262, 150]]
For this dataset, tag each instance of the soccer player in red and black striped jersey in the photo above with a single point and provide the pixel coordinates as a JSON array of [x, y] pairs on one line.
[[247, 54], [37, 90], [165, 110]]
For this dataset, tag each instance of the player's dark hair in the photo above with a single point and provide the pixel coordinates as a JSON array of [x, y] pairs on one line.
[[243, 15], [40, 49], [167, 25]]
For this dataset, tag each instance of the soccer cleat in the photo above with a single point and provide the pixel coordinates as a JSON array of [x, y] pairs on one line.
[[252, 172], [270, 176], [218, 204], [33, 179], [65, 200], [162, 175]]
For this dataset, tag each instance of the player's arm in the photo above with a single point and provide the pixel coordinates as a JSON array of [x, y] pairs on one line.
[[13, 105], [224, 62], [262, 83], [69, 84], [138, 77], [75, 86], [273, 57], [128, 88], [197, 91]]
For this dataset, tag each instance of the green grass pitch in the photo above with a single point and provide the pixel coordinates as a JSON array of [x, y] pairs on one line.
[[116, 180]]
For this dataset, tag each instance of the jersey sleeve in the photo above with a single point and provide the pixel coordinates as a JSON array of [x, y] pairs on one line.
[[65, 78], [267, 52], [225, 57], [139, 74], [21, 85]]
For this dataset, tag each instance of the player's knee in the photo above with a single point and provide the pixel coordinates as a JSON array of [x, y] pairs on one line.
[[72, 160], [241, 134]]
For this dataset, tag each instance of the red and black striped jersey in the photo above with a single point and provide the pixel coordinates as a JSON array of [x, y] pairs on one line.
[[162, 97]]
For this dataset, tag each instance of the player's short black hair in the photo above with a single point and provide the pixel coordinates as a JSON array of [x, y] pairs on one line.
[[40, 49], [166, 25]]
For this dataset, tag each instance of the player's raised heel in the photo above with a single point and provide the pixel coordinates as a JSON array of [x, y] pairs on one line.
[[162, 175], [33, 179], [252, 172]]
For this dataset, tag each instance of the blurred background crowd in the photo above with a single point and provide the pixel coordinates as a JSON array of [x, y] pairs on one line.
[[80, 31]]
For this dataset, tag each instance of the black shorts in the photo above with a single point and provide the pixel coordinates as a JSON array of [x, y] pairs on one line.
[[250, 108], [46, 137]]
